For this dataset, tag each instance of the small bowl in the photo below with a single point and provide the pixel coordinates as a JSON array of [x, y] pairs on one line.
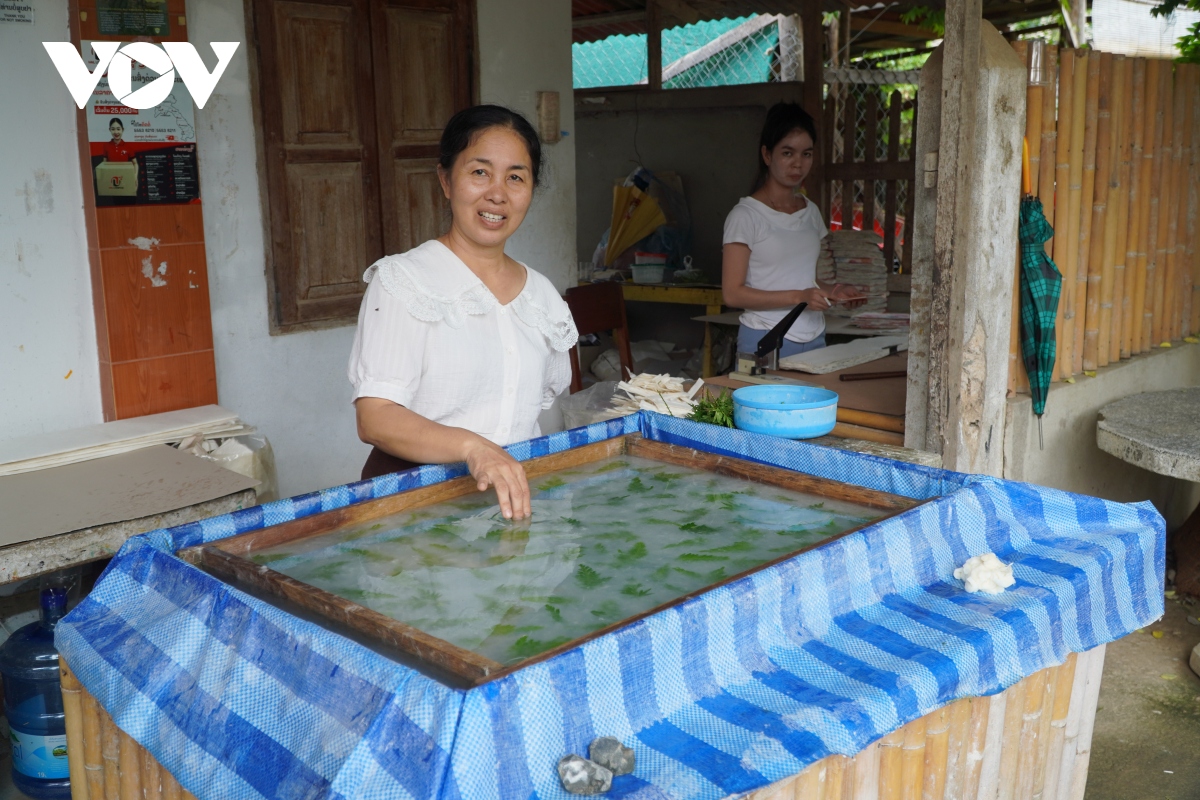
[[790, 412], [648, 273]]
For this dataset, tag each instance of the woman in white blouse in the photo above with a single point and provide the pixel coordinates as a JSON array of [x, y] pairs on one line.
[[459, 347], [772, 240]]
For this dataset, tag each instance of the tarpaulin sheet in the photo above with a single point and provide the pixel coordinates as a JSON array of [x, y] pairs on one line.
[[732, 690]]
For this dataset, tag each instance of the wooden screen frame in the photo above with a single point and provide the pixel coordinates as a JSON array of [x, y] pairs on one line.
[[229, 558]]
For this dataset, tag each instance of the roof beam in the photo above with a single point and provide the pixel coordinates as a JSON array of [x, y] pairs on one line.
[[859, 23], [609, 18]]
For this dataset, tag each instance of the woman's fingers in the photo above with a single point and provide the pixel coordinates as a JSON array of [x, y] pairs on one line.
[[492, 466]]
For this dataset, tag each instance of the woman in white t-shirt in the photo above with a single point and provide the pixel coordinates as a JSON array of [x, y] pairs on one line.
[[460, 347], [772, 240]]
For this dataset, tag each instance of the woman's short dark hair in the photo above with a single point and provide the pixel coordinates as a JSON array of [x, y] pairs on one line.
[[464, 126], [782, 119], [118, 121]]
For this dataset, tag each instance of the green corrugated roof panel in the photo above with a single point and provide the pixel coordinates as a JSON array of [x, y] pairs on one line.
[[621, 60]]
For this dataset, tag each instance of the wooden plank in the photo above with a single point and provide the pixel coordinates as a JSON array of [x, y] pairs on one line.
[[849, 431], [872, 142], [405, 638], [849, 137], [326, 521], [771, 476], [686, 295], [910, 201], [654, 66], [880, 170], [889, 208]]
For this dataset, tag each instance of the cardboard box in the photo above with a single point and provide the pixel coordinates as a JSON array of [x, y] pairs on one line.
[[117, 179]]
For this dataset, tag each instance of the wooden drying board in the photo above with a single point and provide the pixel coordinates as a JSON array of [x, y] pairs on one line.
[[229, 558]]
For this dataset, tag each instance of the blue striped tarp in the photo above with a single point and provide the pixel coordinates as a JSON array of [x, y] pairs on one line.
[[730, 691]]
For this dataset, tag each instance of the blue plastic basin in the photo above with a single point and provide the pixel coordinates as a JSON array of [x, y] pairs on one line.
[[791, 412]]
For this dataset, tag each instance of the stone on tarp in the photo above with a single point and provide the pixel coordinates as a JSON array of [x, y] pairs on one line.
[[581, 776], [607, 751]]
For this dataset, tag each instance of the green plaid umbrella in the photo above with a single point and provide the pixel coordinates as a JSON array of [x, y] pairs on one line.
[[1041, 284]]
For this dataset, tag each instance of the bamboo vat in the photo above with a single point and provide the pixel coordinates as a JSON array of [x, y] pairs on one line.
[[1087, 192], [114, 766], [969, 749], [1100, 167], [1062, 202]]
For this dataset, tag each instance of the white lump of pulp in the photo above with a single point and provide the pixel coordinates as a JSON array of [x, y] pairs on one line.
[[985, 573]]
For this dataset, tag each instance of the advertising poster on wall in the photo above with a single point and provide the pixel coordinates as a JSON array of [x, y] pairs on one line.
[[133, 17], [142, 156]]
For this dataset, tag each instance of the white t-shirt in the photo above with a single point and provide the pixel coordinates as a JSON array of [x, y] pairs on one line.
[[783, 256], [433, 338]]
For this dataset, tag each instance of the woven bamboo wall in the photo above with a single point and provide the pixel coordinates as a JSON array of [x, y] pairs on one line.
[[1114, 146], [1032, 740]]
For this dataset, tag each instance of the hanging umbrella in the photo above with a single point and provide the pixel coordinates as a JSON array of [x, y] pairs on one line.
[[1041, 285], [635, 215]]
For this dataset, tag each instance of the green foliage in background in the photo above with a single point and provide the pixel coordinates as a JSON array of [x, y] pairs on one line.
[[1189, 43]]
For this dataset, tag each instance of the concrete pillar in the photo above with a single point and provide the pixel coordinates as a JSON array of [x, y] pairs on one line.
[[965, 244]]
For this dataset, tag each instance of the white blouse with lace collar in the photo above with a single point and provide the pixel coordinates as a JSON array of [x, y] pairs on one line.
[[432, 338]]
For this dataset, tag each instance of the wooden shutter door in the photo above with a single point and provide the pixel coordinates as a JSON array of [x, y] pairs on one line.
[[423, 57], [322, 160]]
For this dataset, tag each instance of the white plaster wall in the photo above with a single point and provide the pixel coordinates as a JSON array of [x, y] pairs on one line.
[[1072, 461], [47, 328], [525, 48], [294, 387]]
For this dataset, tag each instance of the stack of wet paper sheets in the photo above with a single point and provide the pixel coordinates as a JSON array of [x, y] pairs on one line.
[[855, 257]]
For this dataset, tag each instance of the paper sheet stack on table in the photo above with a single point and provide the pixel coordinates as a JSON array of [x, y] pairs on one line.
[[840, 356], [42, 451], [855, 257]]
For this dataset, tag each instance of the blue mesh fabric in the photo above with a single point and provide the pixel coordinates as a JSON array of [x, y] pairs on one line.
[[734, 689]]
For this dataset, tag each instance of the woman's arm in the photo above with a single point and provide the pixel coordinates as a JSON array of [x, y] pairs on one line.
[[735, 263], [406, 434]]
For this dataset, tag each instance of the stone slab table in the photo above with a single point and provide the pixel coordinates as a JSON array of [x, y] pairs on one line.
[[1160, 431]]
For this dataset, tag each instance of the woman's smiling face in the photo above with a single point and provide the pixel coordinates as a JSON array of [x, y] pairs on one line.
[[116, 130], [490, 186]]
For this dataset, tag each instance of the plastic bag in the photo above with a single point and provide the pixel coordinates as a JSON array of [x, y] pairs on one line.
[[593, 404], [249, 454]]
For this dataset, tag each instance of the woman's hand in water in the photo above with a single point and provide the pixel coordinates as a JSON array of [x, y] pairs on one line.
[[491, 465]]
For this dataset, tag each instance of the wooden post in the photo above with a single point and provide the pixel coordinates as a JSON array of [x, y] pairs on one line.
[[1170, 184], [893, 156], [1101, 175], [1087, 192], [814, 91], [653, 45], [1033, 120], [1062, 199], [1049, 137]]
